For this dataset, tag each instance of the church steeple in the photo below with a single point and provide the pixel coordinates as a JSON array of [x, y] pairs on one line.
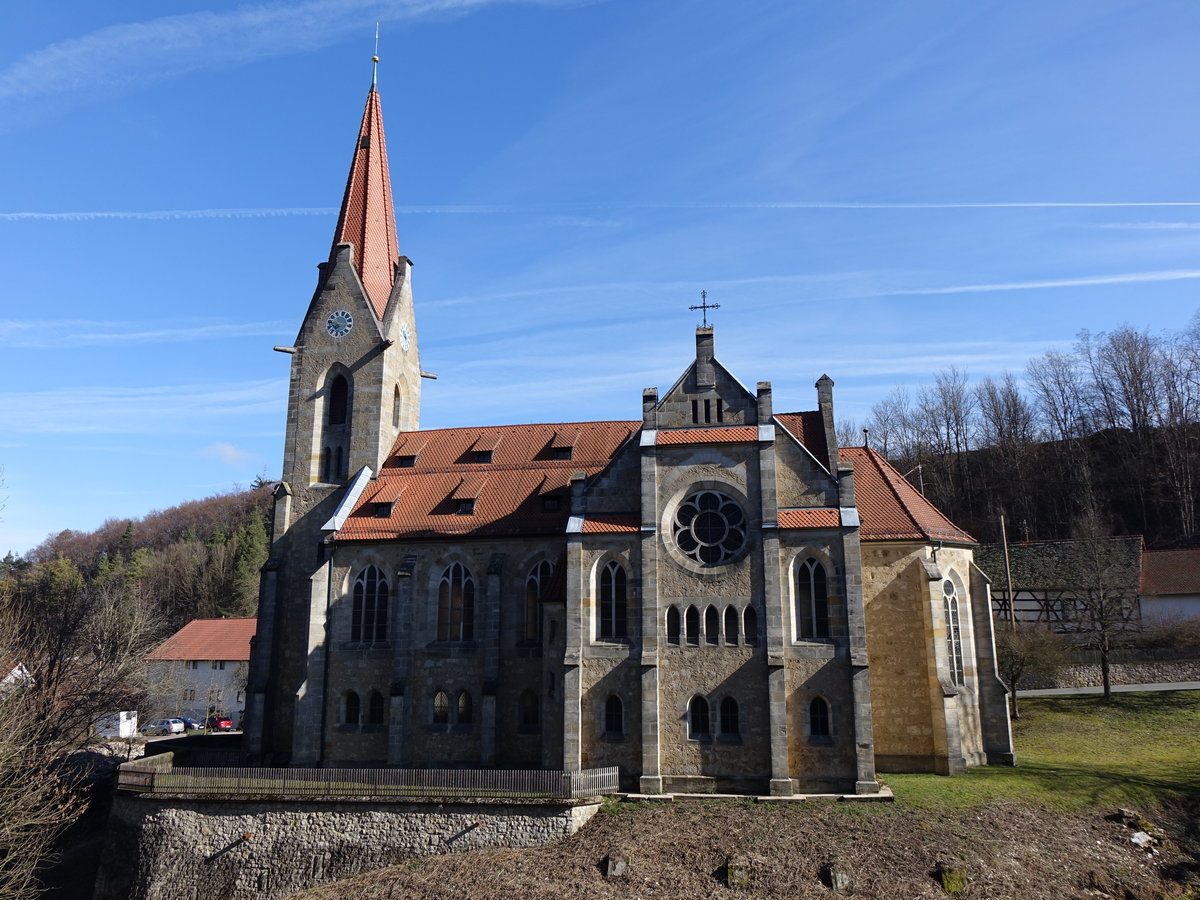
[[367, 219]]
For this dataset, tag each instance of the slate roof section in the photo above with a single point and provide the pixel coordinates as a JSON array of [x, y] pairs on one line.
[[1059, 565], [891, 509], [509, 492], [227, 639], [367, 218], [1166, 572]]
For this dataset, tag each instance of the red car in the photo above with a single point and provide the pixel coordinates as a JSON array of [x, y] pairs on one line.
[[219, 723]]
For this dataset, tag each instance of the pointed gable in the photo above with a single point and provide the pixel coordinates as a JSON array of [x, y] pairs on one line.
[[367, 218]]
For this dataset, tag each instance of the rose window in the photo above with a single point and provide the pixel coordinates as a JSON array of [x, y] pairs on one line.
[[709, 528]]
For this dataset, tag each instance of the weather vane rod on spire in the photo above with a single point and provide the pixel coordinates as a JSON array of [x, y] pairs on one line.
[[375, 58], [705, 306]]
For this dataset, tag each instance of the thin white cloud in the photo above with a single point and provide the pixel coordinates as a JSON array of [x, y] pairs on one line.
[[174, 409], [1085, 281], [1151, 226], [34, 335], [137, 52], [226, 452], [167, 214]]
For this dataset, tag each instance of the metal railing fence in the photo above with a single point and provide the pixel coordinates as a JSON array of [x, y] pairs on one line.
[[317, 783]]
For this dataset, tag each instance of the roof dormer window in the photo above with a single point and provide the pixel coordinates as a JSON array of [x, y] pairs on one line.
[[465, 508], [482, 456], [406, 462]]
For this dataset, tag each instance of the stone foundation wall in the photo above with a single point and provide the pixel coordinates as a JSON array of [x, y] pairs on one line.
[[1162, 672], [179, 849]]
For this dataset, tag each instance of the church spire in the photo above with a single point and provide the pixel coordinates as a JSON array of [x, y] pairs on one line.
[[367, 219]]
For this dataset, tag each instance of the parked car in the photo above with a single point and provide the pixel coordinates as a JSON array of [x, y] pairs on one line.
[[190, 724], [219, 722], [165, 726]]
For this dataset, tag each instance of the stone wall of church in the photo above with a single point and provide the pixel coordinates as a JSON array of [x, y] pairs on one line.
[[923, 720], [799, 481], [605, 677], [817, 763]]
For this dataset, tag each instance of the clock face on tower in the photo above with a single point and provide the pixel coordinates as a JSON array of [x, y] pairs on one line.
[[339, 323], [405, 336]]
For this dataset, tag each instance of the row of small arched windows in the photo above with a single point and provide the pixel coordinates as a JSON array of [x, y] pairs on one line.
[[456, 604], [738, 627], [353, 712], [461, 711]]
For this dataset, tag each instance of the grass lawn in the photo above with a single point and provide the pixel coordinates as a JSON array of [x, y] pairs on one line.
[[1075, 753]]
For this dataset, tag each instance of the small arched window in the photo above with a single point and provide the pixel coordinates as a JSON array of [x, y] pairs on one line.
[[712, 625], [698, 726], [731, 625], [536, 586], [441, 708], [456, 605], [729, 717], [351, 708], [369, 609], [529, 718], [953, 630], [465, 711], [614, 717], [613, 609], [672, 625], [376, 709], [692, 621], [818, 718], [812, 600], [750, 620], [339, 396]]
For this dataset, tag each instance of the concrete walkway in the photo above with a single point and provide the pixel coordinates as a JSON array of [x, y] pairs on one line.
[[1117, 688]]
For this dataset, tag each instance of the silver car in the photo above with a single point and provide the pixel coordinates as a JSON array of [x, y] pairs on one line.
[[165, 726]]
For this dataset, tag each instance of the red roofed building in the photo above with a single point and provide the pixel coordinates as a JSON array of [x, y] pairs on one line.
[[201, 669], [1170, 587], [709, 596]]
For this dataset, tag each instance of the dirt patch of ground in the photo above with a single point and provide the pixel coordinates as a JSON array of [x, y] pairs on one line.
[[711, 848]]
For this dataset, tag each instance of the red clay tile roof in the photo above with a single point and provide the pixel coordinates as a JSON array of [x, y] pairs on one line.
[[732, 434], [809, 429], [1171, 572], [367, 218], [820, 517], [606, 523], [209, 639], [508, 491], [890, 508]]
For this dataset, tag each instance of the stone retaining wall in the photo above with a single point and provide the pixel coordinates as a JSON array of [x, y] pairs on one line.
[[1164, 672], [162, 848]]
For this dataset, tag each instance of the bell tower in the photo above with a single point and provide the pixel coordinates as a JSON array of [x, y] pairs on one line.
[[356, 372]]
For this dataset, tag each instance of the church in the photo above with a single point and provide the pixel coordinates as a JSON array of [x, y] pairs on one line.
[[712, 595]]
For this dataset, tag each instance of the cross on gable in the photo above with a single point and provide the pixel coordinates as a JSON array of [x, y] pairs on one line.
[[705, 306]]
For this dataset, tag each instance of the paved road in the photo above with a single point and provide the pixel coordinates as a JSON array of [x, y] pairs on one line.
[[1117, 688]]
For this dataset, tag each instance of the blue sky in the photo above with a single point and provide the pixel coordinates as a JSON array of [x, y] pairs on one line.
[[876, 191]]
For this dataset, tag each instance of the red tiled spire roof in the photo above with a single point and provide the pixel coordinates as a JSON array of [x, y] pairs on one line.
[[368, 219], [209, 639]]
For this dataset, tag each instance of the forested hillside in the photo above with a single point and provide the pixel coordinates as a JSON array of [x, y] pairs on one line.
[[1107, 433]]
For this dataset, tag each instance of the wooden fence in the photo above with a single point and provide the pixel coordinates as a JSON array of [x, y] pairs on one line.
[[466, 783]]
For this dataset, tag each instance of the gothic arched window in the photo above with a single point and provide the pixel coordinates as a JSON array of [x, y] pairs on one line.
[[698, 726], [613, 607], [730, 723], [465, 711], [376, 709], [953, 630], [614, 717], [441, 708], [339, 397], [818, 718], [369, 610], [712, 625], [812, 600], [536, 586], [672, 625], [456, 605], [750, 625], [351, 708], [692, 625], [731, 625]]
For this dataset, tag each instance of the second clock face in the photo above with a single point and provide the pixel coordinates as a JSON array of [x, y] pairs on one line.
[[339, 323], [405, 336]]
